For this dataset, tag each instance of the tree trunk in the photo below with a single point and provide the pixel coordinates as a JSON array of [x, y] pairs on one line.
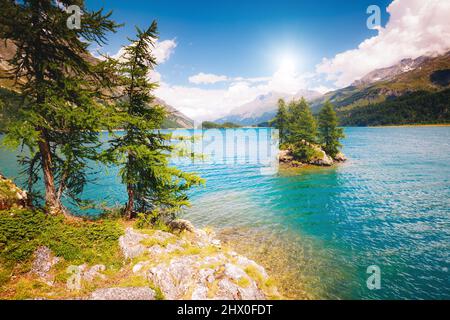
[[129, 212], [51, 202]]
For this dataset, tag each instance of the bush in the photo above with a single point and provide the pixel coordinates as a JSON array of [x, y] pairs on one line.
[[23, 230], [303, 152]]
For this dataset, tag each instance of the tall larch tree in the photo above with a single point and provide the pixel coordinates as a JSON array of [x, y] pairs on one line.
[[329, 132], [281, 120], [143, 151], [60, 114], [302, 125]]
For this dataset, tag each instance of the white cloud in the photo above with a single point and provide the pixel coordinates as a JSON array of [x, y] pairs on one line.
[[206, 103], [206, 78], [415, 28], [322, 89], [161, 51], [210, 78]]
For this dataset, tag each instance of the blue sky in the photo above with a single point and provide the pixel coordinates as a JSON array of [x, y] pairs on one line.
[[213, 50], [243, 38]]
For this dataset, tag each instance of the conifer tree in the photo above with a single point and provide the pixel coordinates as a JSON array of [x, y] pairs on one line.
[[302, 125], [329, 132], [60, 114], [143, 151], [281, 120]]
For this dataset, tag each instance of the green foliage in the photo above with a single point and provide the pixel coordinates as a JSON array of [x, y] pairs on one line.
[[414, 108], [169, 123], [151, 220], [303, 152], [329, 132], [281, 120], [298, 130], [59, 114], [213, 125], [143, 152], [301, 123], [22, 231]]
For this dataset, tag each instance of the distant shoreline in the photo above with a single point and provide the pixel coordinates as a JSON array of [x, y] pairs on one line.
[[411, 125]]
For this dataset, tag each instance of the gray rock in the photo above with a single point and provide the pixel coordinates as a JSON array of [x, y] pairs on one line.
[[234, 272], [175, 278], [89, 274], [189, 276], [340, 157], [13, 195], [200, 293], [130, 243], [285, 156], [162, 236], [245, 262], [130, 293], [322, 159], [180, 225], [43, 261]]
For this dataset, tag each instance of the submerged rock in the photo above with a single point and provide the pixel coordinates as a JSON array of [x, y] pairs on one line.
[[131, 293]]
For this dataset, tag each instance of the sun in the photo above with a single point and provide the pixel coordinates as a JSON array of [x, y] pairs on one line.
[[287, 62]]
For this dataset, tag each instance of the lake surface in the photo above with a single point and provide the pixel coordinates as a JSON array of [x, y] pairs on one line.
[[318, 230]]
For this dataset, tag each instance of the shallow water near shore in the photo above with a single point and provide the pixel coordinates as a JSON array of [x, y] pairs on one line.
[[317, 230]]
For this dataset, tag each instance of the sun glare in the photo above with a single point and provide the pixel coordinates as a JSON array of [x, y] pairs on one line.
[[287, 62]]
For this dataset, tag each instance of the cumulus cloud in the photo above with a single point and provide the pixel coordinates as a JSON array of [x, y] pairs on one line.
[[210, 78], [207, 103], [161, 51], [415, 28], [322, 89], [206, 78]]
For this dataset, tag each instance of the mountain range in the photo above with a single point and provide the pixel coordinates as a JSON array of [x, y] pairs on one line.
[[423, 75], [263, 108]]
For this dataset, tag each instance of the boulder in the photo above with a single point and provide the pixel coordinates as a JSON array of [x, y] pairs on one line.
[[130, 293], [321, 158], [179, 267], [89, 274], [180, 225], [285, 156], [42, 264], [11, 195], [130, 243], [185, 277], [340, 157]]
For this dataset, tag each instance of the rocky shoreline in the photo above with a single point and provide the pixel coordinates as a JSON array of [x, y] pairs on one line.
[[320, 157], [179, 262], [185, 264]]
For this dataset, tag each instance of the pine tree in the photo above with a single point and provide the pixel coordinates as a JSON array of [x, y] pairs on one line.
[[143, 152], [302, 125], [60, 115], [329, 132], [281, 120]]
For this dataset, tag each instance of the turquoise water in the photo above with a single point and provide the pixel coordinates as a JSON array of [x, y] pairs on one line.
[[389, 206]]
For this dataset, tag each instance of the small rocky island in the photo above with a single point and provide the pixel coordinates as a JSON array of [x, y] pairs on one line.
[[306, 139], [319, 157]]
